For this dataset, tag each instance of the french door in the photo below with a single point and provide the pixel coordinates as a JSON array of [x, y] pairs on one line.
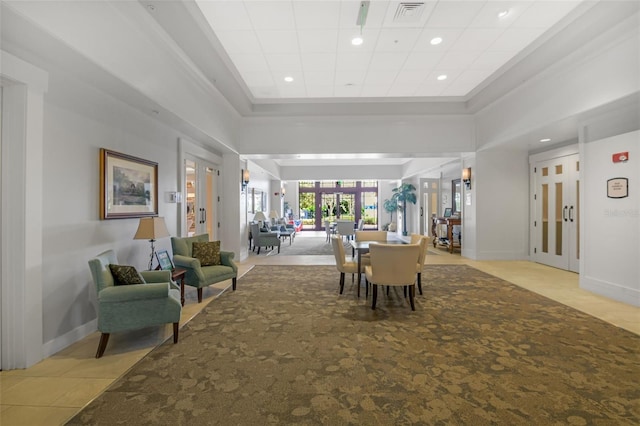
[[556, 228], [200, 198], [429, 204]]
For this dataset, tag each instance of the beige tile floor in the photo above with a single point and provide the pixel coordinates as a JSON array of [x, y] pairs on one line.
[[52, 391]]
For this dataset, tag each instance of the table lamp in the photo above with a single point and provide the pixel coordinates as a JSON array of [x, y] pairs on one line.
[[259, 217], [151, 228], [273, 215]]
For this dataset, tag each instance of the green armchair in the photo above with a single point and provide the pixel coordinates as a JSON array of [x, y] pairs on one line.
[[202, 276], [129, 307]]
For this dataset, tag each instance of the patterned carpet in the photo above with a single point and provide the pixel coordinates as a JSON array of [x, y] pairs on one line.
[[286, 348]]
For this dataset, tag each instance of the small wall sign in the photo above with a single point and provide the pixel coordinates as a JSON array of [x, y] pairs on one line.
[[618, 187]]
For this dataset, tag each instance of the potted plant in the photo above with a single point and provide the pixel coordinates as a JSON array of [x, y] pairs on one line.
[[390, 206], [405, 193]]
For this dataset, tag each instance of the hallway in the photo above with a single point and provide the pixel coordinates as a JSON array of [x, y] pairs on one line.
[[53, 390]]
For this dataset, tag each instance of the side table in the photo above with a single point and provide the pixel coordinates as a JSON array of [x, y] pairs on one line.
[[178, 274]]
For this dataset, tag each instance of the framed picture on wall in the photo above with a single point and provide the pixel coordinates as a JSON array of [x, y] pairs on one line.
[[128, 186]]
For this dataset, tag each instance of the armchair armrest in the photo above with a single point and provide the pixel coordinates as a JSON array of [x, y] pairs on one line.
[[186, 261], [127, 293], [156, 276], [226, 258]]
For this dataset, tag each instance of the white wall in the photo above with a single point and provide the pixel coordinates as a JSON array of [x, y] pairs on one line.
[[611, 227], [500, 194], [78, 121]]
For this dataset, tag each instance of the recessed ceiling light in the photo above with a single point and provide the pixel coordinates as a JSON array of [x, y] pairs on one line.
[[503, 14], [436, 40], [357, 41], [442, 77], [545, 140], [288, 79]]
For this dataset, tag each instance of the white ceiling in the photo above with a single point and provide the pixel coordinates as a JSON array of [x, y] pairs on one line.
[[268, 40]]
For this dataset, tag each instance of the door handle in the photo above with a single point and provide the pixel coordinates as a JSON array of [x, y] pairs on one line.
[[204, 214], [564, 213], [571, 213], [421, 212]]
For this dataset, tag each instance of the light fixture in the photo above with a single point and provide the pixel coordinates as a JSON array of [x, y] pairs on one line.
[[288, 79], [436, 40], [244, 178], [545, 140], [282, 192], [442, 77], [466, 177], [151, 228], [362, 18], [503, 14]]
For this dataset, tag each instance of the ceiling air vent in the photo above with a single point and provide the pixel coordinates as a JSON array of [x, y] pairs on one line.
[[408, 12]]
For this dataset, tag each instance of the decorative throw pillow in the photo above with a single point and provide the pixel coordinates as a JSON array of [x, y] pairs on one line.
[[125, 275], [207, 253]]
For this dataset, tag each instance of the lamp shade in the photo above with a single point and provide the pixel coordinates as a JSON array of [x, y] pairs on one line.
[[259, 216], [273, 214], [151, 228]]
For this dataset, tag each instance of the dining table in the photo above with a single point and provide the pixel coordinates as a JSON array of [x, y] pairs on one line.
[[362, 247]]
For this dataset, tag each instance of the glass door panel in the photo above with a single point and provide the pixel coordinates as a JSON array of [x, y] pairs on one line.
[[329, 204], [347, 206], [190, 191], [200, 190], [307, 209], [370, 210], [208, 208]]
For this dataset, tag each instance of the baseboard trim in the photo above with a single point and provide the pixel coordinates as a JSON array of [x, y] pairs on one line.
[[59, 343], [613, 291]]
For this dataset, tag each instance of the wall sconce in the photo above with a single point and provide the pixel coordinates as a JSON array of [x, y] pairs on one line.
[[244, 178], [282, 192], [466, 177]]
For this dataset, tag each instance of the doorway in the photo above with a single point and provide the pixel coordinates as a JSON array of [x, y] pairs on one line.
[[429, 204], [320, 201], [555, 231], [200, 194]]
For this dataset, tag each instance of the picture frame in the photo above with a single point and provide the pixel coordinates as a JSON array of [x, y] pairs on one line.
[[128, 186], [164, 261], [256, 200]]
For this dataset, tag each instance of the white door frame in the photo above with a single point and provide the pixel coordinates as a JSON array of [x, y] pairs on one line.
[[21, 200], [534, 231], [188, 150]]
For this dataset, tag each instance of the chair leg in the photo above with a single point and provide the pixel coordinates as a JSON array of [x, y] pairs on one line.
[[375, 296], [420, 282], [278, 249], [388, 290], [176, 329], [341, 282], [233, 285], [104, 338], [412, 294], [258, 250], [405, 291], [200, 295]]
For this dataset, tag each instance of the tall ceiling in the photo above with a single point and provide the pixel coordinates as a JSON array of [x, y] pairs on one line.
[[294, 49]]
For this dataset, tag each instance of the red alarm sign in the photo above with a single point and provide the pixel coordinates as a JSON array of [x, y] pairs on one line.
[[620, 157]]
